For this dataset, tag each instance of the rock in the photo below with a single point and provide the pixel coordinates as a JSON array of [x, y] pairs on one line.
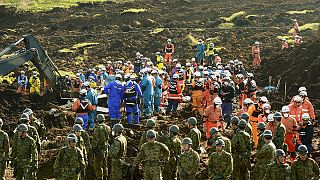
[[242, 22], [126, 28], [135, 23]]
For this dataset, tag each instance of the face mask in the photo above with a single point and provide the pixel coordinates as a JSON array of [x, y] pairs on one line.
[[226, 83], [286, 115], [267, 111]]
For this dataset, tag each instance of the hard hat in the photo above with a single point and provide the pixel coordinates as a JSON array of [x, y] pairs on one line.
[[270, 118], [174, 128], [154, 72], [188, 64], [302, 88], [175, 76], [305, 117], [295, 20], [302, 149], [151, 123], [117, 127], [158, 53], [247, 101], [118, 76], [205, 73], [261, 125], [240, 63], [77, 75], [109, 62], [22, 72], [266, 105], [197, 74], [297, 99], [211, 44], [35, 73], [217, 101], [24, 116], [151, 134], [256, 43], [303, 93], [213, 131], [78, 120], [227, 79], [80, 70], [127, 76], [242, 123], [77, 127], [132, 77], [28, 111], [285, 109], [215, 55], [175, 60], [100, 118], [244, 116], [219, 142], [193, 59], [280, 152], [235, 120], [1, 122], [236, 61], [200, 40], [250, 75], [72, 137], [22, 128], [178, 65], [231, 62], [186, 140], [83, 92], [138, 54], [263, 99], [169, 40], [86, 84], [91, 77], [201, 67], [277, 115], [192, 121], [239, 76], [267, 133]]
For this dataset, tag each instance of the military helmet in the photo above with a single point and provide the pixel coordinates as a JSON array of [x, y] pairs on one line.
[[213, 131], [100, 118], [192, 121], [280, 152], [174, 128], [235, 120], [151, 123], [28, 111], [242, 123], [78, 120], [277, 115], [267, 133], [77, 127], [117, 127], [219, 142], [72, 137], [261, 125], [187, 140], [151, 134], [302, 149], [270, 118], [24, 116], [244, 116], [22, 128]]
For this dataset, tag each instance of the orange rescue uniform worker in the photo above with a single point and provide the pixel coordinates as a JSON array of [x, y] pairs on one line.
[[266, 111], [77, 84], [246, 104], [295, 29], [197, 96], [296, 109], [256, 54], [285, 44], [307, 106], [271, 125], [212, 116], [169, 50], [175, 95], [297, 40]]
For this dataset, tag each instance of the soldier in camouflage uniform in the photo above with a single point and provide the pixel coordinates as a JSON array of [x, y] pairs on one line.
[[151, 154], [280, 133], [80, 144], [25, 155], [194, 133], [260, 127], [220, 164], [279, 169], [69, 162], [118, 151], [214, 136], [151, 124], [188, 162], [264, 156], [100, 147], [86, 139], [234, 125], [39, 125], [4, 150], [245, 116], [304, 167], [241, 146], [174, 145]]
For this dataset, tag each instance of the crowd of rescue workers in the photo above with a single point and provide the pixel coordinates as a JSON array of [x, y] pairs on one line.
[[223, 97]]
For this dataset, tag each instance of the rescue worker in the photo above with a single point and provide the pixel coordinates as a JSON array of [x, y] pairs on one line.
[[92, 96], [22, 83], [109, 68], [159, 61], [217, 59], [304, 167], [151, 124], [215, 135], [34, 82], [157, 92], [25, 155], [188, 79], [307, 106], [153, 154], [261, 128], [118, 151], [220, 162], [174, 145], [76, 85], [250, 87], [132, 96], [284, 44], [279, 169], [296, 109], [197, 89], [188, 162], [169, 50], [239, 80], [241, 147], [200, 52], [4, 150], [212, 116], [266, 111], [194, 133], [147, 87], [297, 40], [306, 132], [137, 63], [175, 95], [82, 76], [245, 106], [69, 162], [254, 111], [210, 53], [100, 143], [227, 94], [256, 55], [271, 124], [280, 133], [295, 29], [264, 156], [82, 106], [115, 90]]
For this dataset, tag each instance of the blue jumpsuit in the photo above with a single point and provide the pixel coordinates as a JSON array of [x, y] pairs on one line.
[[131, 92], [200, 53], [115, 90], [157, 93], [82, 77], [147, 91], [93, 98]]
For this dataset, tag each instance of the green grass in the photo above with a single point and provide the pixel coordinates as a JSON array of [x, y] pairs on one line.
[[134, 10], [85, 44], [66, 50], [226, 26], [300, 12], [234, 16], [308, 26], [157, 30]]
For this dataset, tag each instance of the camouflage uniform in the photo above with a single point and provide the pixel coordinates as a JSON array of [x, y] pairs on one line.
[[260, 141], [307, 169], [241, 146], [4, 152], [69, 163], [220, 166], [118, 151], [100, 149], [41, 128], [277, 171], [279, 136], [248, 129], [32, 132], [150, 155], [144, 139], [25, 155], [188, 165], [226, 148], [81, 146], [265, 156], [170, 168], [195, 136]]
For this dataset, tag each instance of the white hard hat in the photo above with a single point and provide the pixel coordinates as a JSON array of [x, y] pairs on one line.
[[305, 116], [132, 77], [126, 76], [35, 73], [78, 75], [83, 92], [303, 93], [178, 65], [285, 109], [193, 59], [215, 55], [22, 72], [200, 40], [169, 40], [205, 73], [157, 53], [211, 44], [240, 76], [188, 64], [270, 118], [256, 43], [302, 88], [174, 60], [297, 99], [266, 105], [247, 101], [138, 54], [118, 76], [231, 62], [263, 99], [154, 72], [197, 74], [217, 101], [250, 75], [109, 62], [200, 67], [86, 84], [175, 76]]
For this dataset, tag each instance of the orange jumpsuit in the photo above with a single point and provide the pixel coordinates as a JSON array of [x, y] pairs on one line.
[[307, 107], [271, 126], [256, 56], [284, 45], [291, 125], [212, 116], [254, 111], [295, 112], [169, 50], [197, 95], [262, 118]]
